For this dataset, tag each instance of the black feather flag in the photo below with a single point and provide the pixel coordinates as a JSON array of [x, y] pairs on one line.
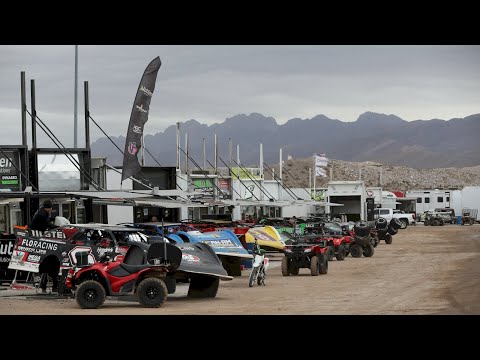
[[138, 118]]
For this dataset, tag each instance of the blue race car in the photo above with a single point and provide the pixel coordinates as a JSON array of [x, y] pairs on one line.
[[224, 243]]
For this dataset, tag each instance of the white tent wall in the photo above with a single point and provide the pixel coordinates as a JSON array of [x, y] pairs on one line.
[[456, 201]]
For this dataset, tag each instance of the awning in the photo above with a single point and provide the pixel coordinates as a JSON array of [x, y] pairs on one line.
[[317, 203], [117, 195], [11, 200], [170, 204], [242, 202]]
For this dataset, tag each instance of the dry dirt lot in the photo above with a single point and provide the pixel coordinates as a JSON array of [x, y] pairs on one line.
[[427, 270]]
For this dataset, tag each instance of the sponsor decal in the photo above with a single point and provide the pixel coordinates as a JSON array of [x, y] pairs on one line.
[[261, 236], [102, 251], [33, 258], [39, 244], [220, 243], [18, 255], [187, 248], [141, 109], [132, 148], [52, 234], [10, 180], [4, 259], [146, 91], [190, 258], [137, 129], [32, 250]]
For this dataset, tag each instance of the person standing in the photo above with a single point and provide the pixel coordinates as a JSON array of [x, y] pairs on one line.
[[41, 222]]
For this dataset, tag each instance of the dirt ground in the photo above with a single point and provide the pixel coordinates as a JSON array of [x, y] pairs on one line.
[[426, 270]]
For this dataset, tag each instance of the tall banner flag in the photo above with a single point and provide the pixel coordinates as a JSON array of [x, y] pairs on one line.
[[321, 160], [138, 118]]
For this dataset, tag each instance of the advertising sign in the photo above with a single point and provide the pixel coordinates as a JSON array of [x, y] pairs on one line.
[[10, 177]]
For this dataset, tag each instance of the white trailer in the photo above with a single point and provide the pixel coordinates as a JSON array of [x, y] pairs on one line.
[[431, 199], [352, 194]]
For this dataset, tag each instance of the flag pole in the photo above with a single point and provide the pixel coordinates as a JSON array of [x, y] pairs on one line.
[[314, 176]]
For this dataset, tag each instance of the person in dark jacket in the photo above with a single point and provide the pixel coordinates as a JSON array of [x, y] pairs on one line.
[[41, 222], [41, 219]]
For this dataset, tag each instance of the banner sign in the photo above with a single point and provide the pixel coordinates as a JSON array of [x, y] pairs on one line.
[[138, 118]]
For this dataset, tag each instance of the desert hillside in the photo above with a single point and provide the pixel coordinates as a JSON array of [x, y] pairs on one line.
[[296, 174]]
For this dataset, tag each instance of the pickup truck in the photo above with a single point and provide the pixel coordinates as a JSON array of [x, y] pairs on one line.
[[389, 214]]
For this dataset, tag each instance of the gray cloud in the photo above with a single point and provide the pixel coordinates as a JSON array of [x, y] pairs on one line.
[[211, 83]]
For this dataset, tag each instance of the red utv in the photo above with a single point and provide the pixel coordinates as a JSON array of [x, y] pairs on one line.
[[142, 273]]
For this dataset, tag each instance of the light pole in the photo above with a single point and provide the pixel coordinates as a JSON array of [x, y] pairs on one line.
[[75, 135]]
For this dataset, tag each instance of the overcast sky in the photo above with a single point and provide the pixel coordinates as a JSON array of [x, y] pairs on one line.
[[212, 83]]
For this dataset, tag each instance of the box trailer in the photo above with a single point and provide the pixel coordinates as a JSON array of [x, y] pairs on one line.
[[352, 194]]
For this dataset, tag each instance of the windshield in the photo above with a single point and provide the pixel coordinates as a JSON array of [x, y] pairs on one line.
[[332, 229]]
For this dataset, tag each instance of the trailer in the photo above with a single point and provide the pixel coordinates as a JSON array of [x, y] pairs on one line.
[[352, 194]]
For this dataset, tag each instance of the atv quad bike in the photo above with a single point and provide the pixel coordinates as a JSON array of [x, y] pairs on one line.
[[338, 242], [142, 274], [433, 220], [306, 251], [362, 240], [469, 216]]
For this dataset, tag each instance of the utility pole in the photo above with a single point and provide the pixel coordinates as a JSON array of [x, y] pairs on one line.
[[75, 119]]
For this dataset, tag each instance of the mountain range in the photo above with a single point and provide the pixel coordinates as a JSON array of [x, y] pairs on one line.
[[375, 137]]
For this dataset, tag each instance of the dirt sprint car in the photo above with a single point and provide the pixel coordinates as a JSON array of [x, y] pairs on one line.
[[37, 252], [224, 243], [305, 251]]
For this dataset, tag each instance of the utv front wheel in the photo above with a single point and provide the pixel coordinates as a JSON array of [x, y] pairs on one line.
[[90, 294], [152, 292]]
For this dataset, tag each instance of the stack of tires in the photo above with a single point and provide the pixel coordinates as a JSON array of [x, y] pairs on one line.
[[392, 229], [381, 224], [362, 240]]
